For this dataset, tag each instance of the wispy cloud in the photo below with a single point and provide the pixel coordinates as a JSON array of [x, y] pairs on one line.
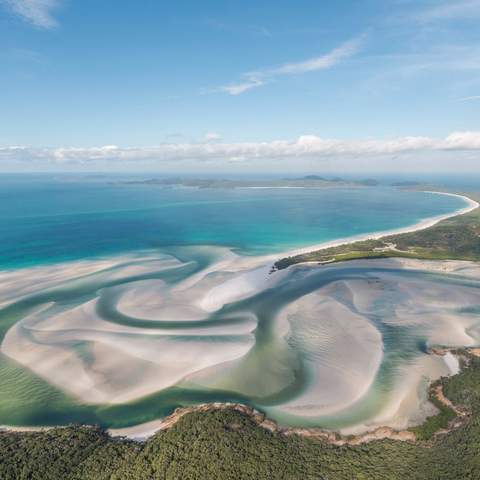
[[213, 137], [238, 88], [36, 12], [305, 147], [470, 99], [323, 62], [451, 10]]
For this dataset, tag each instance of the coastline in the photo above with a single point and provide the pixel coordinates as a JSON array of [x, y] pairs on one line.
[[255, 273], [420, 225], [143, 432], [253, 270]]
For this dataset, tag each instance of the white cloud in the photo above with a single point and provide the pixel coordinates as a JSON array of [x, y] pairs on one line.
[[213, 137], [451, 10], [237, 89], [462, 141], [37, 12], [470, 99], [323, 62], [305, 147]]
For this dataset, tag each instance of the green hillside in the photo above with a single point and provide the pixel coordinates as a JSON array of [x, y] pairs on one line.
[[229, 445]]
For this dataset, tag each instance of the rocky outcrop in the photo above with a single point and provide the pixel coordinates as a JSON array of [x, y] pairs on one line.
[[334, 438], [255, 415], [260, 419], [381, 433]]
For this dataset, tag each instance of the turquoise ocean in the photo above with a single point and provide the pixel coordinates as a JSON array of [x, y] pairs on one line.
[[48, 220]]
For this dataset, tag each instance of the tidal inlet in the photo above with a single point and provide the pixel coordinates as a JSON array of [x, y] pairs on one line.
[[173, 307]]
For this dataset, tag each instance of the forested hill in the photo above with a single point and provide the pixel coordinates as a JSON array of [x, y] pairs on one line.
[[230, 445]]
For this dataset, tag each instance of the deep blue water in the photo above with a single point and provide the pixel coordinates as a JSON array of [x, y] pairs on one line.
[[48, 219]]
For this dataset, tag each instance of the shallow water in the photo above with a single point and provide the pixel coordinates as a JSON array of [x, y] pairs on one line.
[[273, 370], [75, 328], [51, 220]]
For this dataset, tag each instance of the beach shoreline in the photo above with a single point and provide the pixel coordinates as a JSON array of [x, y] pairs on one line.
[[389, 422], [420, 225], [142, 432], [254, 272]]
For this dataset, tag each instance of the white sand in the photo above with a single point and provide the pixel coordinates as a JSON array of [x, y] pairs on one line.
[[154, 300], [421, 225], [119, 363], [340, 342], [452, 363], [119, 367], [240, 286], [342, 349], [138, 432], [101, 362], [16, 284], [407, 403]]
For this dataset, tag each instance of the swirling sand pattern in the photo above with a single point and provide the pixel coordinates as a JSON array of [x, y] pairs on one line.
[[123, 341]]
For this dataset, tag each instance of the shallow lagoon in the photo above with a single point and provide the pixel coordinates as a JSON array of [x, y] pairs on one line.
[[133, 326]]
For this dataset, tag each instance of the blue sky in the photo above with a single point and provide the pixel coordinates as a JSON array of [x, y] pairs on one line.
[[245, 84]]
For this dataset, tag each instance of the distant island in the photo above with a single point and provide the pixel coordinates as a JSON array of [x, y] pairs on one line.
[[308, 181]]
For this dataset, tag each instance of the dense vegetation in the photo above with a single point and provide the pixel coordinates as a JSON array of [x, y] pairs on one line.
[[229, 445], [457, 238]]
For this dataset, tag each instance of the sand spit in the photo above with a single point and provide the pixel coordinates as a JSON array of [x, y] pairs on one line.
[[342, 349], [87, 353], [144, 431], [99, 361], [110, 346], [421, 225]]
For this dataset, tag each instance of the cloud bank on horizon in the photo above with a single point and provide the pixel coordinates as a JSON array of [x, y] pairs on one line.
[[306, 146]]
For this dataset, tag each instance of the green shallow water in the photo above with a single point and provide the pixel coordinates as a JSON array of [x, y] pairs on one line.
[[47, 221], [25, 399]]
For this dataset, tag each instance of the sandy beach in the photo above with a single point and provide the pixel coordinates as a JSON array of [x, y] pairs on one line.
[[421, 225], [139, 332]]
